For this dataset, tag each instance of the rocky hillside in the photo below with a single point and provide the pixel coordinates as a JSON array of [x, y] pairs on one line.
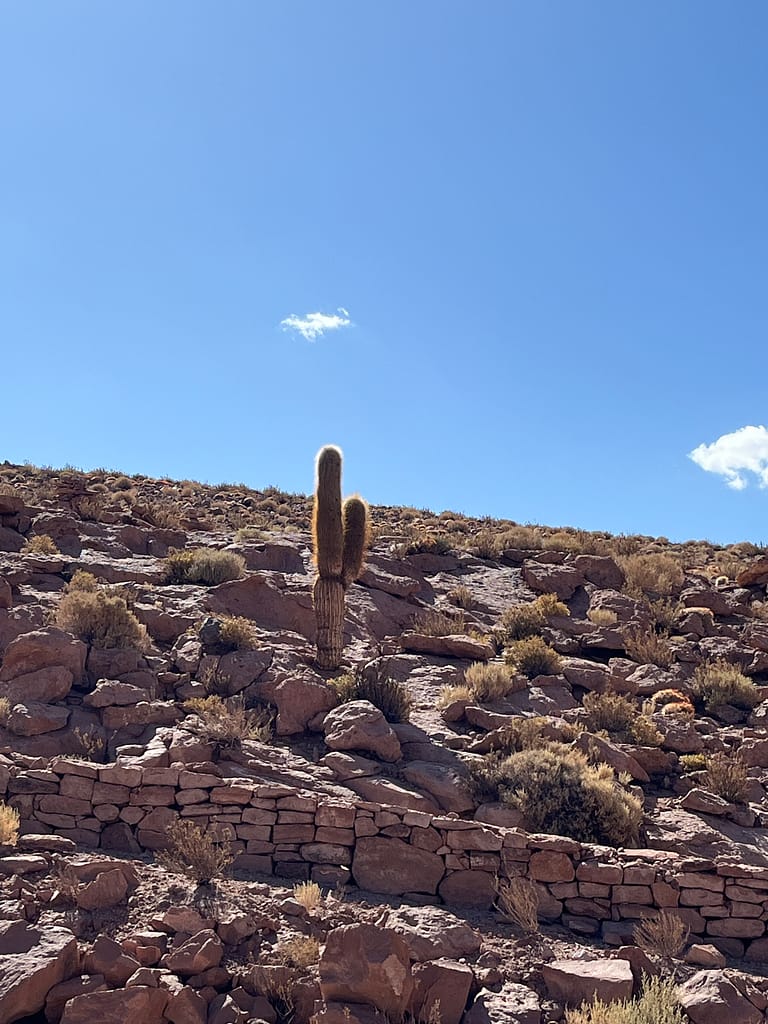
[[538, 776]]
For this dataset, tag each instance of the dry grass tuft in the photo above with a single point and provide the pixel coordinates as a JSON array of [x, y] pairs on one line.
[[533, 657], [617, 714], [192, 852], [299, 951], [491, 681], [100, 619], [204, 566], [237, 633], [726, 776], [437, 623], [308, 894], [719, 684], [602, 617], [524, 620], [656, 1004], [518, 901], [42, 544], [228, 723], [647, 647], [372, 683], [652, 575], [665, 934], [461, 597], [9, 825], [451, 693]]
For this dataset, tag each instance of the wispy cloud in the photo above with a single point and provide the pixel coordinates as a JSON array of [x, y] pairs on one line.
[[736, 456], [314, 325]]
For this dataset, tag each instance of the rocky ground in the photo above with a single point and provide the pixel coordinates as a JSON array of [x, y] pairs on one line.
[[107, 742]]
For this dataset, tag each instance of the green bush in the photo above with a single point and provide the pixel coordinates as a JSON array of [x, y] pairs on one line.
[[558, 791], [533, 657], [205, 566]]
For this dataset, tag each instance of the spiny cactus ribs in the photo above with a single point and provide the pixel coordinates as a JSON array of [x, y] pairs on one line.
[[339, 535]]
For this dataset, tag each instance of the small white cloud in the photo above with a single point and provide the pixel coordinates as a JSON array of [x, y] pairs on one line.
[[314, 325], [733, 455]]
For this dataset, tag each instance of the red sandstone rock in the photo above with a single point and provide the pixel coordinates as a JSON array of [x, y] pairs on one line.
[[392, 866], [709, 997], [32, 961], [140, 1004], [574, 981], [365, 964]]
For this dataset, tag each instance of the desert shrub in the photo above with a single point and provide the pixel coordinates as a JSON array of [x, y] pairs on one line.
[[83, 581], [308, 894], [524, 620], [192, 852], [237, 633], [9, 825], [726, 776], [759, 610], [521, 621], [602, 617], [647, 647], [718, 683], [485, 777], [249, 535], [558, 791], [616, 714], [42, 544], [665, 934], [665, 612], [488, 681], [656, 1004], [461, 597], [372, 683], [421, 542], [653, 575], [518, 901], [299, 951], [521, 537], [122, 483], [228, 723], [533, 657], [100, 619], [437, 623], [521, 733], [485, 544], [204, 566], [693, 762], [5, 710]]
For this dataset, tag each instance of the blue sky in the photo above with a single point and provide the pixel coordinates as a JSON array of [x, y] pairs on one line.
[[545, 223]]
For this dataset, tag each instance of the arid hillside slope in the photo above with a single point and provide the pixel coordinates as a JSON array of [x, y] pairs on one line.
[[539, 775]]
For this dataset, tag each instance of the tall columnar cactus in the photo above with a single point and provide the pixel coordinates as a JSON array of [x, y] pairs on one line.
[[339, 535]]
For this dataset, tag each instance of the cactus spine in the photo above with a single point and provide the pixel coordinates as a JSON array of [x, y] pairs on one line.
[[339, 535]]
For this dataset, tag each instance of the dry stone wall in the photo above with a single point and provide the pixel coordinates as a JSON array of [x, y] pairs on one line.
[[276, 829]]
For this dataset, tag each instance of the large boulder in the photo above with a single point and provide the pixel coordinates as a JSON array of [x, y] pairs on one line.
[[440, 989], [32, 961], [138, 1003], [709, 997], [36, 719], [270, 599], [442, 782], [41, 665], [576, 981], [362, 963], [359, 725], [433, 932]]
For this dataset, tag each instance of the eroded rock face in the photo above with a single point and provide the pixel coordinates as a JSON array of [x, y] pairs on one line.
[[391, 866], [433, 932], [365, 964], [32, 961]]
